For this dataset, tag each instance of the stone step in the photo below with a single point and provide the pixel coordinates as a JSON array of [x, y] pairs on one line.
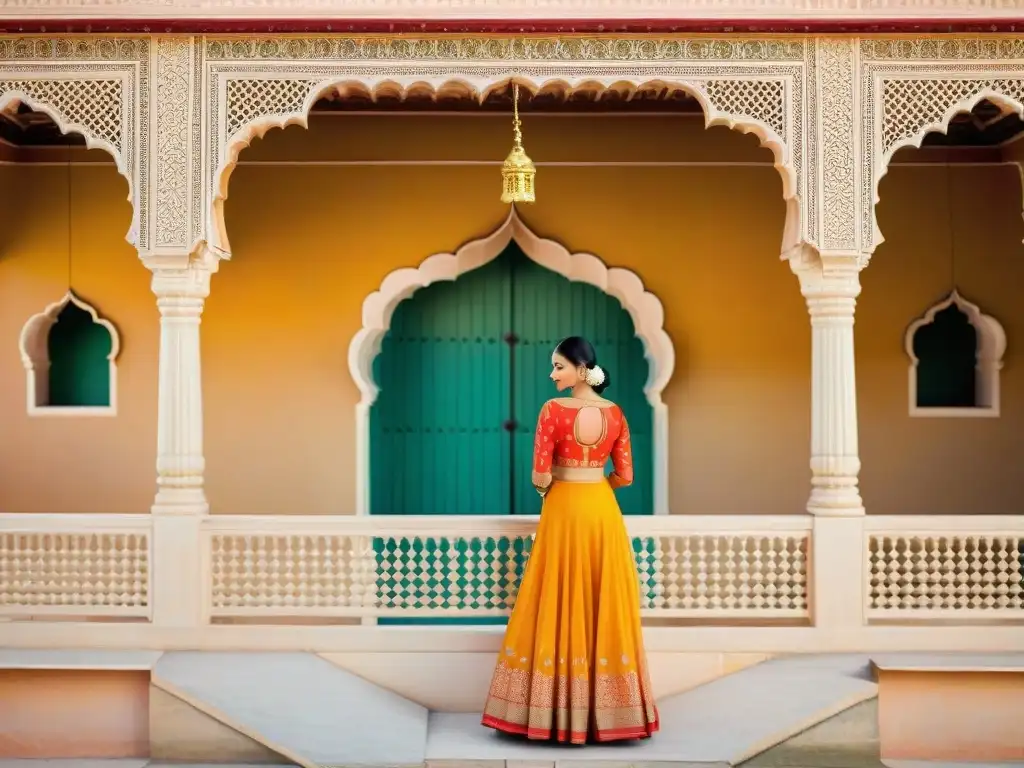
[[300, 706], [316, 714]]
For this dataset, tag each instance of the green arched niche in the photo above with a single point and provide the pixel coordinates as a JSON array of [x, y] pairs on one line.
[[463, 372], [79, 352]]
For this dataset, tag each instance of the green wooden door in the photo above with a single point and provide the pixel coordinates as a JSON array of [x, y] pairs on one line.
[[437, 440], [463, 372], [464, 361], [546, 308]]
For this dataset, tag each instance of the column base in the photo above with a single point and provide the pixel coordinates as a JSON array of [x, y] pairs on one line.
[[832, 501], [180, 501]]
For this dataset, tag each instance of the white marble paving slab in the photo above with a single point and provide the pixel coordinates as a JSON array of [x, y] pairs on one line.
[[300, 706]]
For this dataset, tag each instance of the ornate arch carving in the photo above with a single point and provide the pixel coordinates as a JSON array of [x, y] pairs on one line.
[[95, 87], [904, 98], [753, 86], [644, 308]]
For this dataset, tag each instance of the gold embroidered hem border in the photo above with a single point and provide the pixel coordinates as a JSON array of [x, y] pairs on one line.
[[539, 702]]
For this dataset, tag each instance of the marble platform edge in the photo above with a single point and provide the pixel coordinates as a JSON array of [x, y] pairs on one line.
[[122, 762], [948, 662], [581, 762], [79, 658]]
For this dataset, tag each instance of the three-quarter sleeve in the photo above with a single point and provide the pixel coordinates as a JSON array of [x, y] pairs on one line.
[[622, 457], [544, 449]]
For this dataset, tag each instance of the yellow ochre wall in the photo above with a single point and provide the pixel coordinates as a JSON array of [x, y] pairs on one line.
[[310, 241], [960, 465], [60, 464]]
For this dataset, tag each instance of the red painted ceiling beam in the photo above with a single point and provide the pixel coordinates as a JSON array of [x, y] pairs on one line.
[[51, 26]]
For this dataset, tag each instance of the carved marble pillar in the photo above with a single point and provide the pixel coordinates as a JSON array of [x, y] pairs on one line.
[[181, 267], [181, 294], [831, 288], [828, 264], [180, 502], [830, 283]]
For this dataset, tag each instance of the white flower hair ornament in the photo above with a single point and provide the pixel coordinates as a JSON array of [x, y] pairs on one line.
[[595, 376]]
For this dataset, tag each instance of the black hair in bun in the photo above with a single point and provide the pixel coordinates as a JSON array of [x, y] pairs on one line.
[[580, 352]]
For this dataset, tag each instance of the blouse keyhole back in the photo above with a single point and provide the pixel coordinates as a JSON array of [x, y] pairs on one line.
[[591, 426], [572, 666]]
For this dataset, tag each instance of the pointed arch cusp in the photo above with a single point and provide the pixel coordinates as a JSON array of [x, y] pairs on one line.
[[12, 99], [478, 88], [915, 141], [644, 308], [15, 98]]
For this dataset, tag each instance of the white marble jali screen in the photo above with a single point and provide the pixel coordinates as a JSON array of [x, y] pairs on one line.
[[472, 567], [75, 565], [944, 568]]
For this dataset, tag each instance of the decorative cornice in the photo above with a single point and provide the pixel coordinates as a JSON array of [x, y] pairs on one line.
[[990, 48], [865, 25], [510, 9], [506, 16], [502, 49], [78, 49]]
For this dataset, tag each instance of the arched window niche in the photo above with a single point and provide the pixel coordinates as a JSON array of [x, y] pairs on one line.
[[69, 353], [956, 352]]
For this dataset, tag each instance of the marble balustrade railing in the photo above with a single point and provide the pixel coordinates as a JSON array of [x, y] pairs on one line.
[[710, 569]]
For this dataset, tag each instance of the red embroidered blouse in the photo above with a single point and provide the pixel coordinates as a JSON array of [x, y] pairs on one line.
[[557, 444]]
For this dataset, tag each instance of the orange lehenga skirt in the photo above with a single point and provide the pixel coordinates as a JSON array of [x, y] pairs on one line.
[[572, 666]]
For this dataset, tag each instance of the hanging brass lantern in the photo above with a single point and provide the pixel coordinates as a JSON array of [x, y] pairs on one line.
[[518, 171]]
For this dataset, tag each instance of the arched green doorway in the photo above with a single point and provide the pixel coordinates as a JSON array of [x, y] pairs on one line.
[[463, 373]]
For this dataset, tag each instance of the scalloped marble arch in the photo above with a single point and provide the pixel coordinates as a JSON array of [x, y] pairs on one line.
[[480, 88], [991, 348], [938, 126], [10, 99], [644, 308], [32, 343]]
